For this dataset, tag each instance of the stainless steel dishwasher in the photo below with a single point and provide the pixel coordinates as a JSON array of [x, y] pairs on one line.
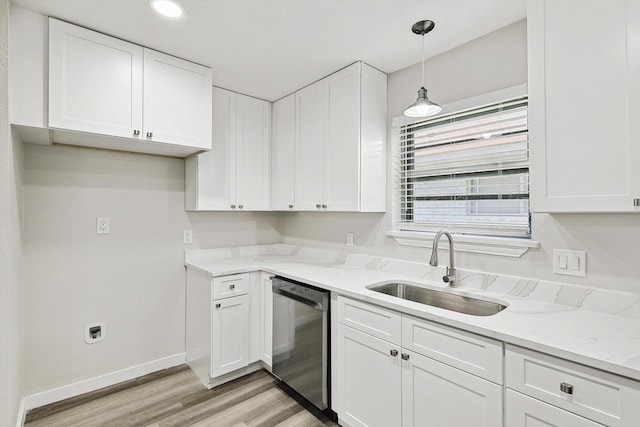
[[301, 339]]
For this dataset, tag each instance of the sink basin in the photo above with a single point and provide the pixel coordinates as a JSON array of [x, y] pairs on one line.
[[446, 300]]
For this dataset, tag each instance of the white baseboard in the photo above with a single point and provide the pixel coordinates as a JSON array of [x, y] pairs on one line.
[[57, 394], [22, 411]]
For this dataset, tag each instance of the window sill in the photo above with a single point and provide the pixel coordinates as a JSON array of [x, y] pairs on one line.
[[500, 246]]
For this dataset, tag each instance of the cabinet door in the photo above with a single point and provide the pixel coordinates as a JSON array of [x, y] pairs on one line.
[[437, 394], [283, 155], [584, 136], [309, 151], [524, 411], [253, 161], [215, 170], [266, 319], [177, 101], [95, 82], [342, 139], [369, 380], [229, 335]]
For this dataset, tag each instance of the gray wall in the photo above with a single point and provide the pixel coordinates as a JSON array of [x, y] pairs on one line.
[[495, 61], [132, 279], [10, 245]]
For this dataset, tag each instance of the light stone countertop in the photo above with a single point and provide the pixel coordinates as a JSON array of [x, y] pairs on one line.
[[590, 326]]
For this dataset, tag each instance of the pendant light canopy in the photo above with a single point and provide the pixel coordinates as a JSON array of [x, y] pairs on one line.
[[423, 107]]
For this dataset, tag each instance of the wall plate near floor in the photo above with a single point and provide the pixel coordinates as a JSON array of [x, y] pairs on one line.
[[94, 332]]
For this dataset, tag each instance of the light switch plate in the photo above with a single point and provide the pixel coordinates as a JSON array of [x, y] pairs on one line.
[[570, 263], [187, 237]]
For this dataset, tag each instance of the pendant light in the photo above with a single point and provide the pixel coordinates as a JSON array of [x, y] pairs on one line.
[[423, 107]]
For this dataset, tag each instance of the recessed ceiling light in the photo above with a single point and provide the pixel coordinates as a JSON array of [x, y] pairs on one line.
[[167, 8]]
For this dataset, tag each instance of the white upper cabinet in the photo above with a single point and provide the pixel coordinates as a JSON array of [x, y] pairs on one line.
[[95, 82], [283, 130], [584, 95], [235, 174], [340, 142], [177, 101], [128, 97]]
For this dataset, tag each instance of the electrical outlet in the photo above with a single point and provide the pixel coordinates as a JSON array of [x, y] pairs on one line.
[[187, 237], [350, 238], [94, 332], [103, 226]]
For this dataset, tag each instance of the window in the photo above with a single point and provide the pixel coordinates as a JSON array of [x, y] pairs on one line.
[[466, 171]]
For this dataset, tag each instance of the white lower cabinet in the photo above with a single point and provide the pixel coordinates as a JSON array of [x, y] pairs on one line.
[[229, 335], [369, 380], [566, 394], [524, 411], [437, 394], [384, 383], [266, 319], [223, 318]]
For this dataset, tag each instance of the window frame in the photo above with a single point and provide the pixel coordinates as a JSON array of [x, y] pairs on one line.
[[501, 246]]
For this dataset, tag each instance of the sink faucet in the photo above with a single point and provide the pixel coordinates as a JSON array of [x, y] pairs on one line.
[[450, 273]]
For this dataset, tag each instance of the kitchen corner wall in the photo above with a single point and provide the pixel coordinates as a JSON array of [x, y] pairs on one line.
[[10, 246], [132, 279], [495, 61]]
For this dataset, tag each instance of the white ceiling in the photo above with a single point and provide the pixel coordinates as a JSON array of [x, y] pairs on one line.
[[270, 48]]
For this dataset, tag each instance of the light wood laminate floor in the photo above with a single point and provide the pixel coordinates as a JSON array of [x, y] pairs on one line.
[[175, 397]]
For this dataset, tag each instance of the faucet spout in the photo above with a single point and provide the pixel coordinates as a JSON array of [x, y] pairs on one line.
[[450, 273]]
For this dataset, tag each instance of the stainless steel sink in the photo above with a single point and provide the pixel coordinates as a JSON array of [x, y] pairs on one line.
[[446, 300]]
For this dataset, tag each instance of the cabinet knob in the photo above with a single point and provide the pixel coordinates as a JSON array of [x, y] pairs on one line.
[[290, 206], [136, 132], [240, 206], [233, 206], [566, 388], [393, 352], [405, 356], [217, 305], [232, 286], [318, 206], [324, 206], [149, 134]]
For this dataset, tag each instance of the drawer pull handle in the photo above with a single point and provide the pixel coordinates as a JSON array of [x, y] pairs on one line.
[[136, 132], [394, 353], [149, 134], [318, 206], [405, 356], [217, 305], [232, 286], [566, 388]]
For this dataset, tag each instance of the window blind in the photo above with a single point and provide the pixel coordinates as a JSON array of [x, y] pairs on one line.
[[467, 171]]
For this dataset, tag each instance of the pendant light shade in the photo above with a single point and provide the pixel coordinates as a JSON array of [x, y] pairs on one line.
[[423, 107]]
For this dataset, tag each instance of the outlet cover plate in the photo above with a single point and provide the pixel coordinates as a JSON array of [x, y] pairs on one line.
[[103, 226], [88, 336]]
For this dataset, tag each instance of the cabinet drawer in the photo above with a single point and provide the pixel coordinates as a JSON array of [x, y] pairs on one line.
[[230, 286], [374, 320], [591, 393], [463, 350], [524, 411]]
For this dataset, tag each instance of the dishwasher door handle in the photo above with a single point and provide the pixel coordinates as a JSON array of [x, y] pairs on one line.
[[298, 298]]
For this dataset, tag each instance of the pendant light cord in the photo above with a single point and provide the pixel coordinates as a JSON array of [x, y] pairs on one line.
[[423, 60]]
